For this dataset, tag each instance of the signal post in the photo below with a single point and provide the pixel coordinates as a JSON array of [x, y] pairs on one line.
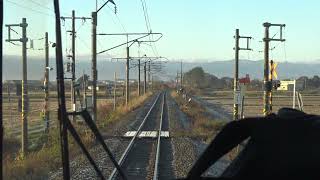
[[266, 80]]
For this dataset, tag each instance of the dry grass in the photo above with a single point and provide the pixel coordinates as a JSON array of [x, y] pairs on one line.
[[202, 125], [38, 163], [46, 156], [114, 115]]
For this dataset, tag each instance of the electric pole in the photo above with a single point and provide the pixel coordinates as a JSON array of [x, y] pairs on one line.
[[149, 72], [127, 77], [145, 78], [181, 74], [139, 80], [115, 91], [9, 100], [94, 72], [143, 35], [1, 112], [84, 86], [73, 65], [267, 82], [24, 82], [236, 73], [73, 56], [177, 80], [46, 83]]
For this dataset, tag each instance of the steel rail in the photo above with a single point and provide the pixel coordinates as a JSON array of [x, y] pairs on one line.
[[126, 152], [156, 164]]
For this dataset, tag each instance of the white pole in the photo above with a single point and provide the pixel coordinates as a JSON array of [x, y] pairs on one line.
[[294, 95]]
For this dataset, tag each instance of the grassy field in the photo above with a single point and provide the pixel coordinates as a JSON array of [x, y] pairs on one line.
[[254, 101], [44, 148], [12, 117]]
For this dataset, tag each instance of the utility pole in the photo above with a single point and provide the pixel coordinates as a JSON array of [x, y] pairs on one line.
[[139, 69], [73, 65], [9, 101], [94, 72], [127, 77], [143, 35], [236, 73], [145, 78], [1, 112], [139, 80], [181, 74], [46, 83], [267, 82], [84, 84], [151, 83], [115, 91], [149, 72], [24, 83], [73, 56]]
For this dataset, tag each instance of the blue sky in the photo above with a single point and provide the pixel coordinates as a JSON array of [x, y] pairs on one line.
[[193, 30]]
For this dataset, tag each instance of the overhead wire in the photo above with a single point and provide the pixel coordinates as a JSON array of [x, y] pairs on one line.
[[145, 15], [117, 17], [83, 42], [43, 6], [39, 4], [82, 24], [30, 9], [148, 26]]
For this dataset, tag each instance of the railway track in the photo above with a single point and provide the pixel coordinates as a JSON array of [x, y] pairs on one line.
[[149, 157]]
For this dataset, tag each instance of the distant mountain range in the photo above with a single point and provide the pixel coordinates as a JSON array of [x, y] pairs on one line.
[[12, 68]]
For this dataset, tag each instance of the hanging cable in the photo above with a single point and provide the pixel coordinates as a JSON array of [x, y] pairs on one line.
[[117, 17], [30, 9]]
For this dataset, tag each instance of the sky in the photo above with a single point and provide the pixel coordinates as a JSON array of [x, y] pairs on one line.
[[192, 30]]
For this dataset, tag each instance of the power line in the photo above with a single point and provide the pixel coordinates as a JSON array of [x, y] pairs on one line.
[[30, 9], [83, 42], [43, 6], [148, 25], [117, 17], [82, 24], [37, 3], [145, 15]]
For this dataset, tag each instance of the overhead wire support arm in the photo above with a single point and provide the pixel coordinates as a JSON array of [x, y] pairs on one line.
[[81, 18], [281, 26], [111, 1], [131, 41]]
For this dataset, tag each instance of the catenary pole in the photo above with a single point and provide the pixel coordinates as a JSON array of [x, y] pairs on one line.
[[46, 83]]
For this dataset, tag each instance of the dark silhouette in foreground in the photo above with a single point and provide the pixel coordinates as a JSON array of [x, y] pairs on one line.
[[280, 146]]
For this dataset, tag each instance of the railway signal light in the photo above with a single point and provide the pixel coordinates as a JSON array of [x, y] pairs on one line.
[[276, 84]]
